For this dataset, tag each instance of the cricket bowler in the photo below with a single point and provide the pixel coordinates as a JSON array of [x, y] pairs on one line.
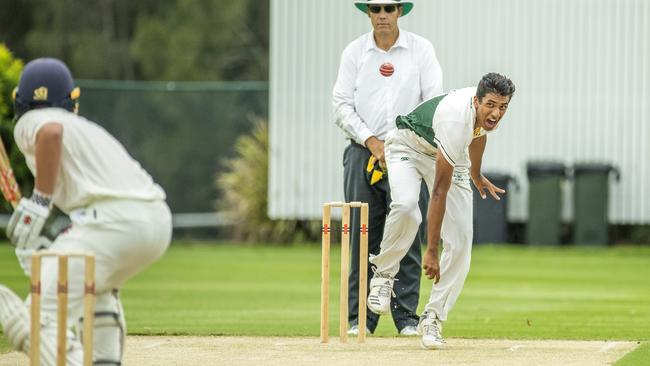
[[441, 141]]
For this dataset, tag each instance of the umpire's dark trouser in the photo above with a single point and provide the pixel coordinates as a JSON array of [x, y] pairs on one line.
[[407, 288]]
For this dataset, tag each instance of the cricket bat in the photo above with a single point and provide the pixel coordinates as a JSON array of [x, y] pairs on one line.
[[8, 184]]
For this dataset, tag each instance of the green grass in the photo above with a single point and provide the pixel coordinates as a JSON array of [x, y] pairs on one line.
[[4, 345], [511, 292], [561, 293], [640, 356]]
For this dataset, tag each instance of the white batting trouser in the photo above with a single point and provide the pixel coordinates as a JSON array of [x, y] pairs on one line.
[[410, 159], [126, 237]]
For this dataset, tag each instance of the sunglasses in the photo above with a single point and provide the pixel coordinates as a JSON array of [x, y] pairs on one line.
[[376, 9]]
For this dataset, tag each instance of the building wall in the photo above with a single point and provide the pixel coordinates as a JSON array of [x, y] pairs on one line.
[[582, 70]]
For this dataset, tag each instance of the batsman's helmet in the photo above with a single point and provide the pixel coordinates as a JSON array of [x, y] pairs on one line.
[[45, 82]]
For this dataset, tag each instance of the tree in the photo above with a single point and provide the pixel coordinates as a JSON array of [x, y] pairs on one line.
[[204, 40], [10, 69], [195, 40]]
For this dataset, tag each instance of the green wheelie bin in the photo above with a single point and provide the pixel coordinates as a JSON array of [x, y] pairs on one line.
[[545, 202], [490, 215], [591, 202]]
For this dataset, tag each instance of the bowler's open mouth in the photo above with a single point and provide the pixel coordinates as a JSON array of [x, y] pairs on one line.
[[491, 123]]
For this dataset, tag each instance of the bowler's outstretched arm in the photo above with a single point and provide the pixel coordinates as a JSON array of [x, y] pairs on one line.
[[437, 207]]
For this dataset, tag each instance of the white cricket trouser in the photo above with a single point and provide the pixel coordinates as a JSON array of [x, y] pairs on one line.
[[126, 236], [410, 159]]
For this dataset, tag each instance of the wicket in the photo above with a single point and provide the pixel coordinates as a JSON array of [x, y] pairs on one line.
[[345, 264], [62, 307]]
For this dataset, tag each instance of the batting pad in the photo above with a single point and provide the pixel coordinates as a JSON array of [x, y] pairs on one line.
[[109, 330]]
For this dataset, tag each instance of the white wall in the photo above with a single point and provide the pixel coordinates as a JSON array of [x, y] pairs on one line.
[[581, 67]]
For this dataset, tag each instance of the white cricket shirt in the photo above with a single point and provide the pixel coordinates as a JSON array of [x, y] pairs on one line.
[[365, 102], [94, 165], [453, 123]]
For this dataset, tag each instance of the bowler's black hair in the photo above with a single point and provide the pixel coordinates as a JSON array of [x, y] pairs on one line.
[[495, 83]]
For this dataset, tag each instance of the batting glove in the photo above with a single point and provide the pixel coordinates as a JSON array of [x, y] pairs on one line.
[[27, 221]]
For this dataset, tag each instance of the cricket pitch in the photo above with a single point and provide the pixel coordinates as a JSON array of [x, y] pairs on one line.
[[402, 351]]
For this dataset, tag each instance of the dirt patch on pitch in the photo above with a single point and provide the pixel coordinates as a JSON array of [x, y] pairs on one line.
[[400, 351]]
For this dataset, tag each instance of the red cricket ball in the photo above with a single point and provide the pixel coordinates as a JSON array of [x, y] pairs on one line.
[[386, 69]]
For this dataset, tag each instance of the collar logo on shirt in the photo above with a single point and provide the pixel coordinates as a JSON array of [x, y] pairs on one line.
[[40, 93]]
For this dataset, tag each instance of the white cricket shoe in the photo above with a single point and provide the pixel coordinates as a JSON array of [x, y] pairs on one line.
[[431, 329], [354, 330], [409, 331], [381, 289]]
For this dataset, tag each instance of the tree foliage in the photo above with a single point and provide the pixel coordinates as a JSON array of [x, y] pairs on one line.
[[192, 40], [10, 68], [203, 39]]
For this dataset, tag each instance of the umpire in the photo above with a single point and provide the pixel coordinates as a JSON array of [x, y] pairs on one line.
[[383, 73]]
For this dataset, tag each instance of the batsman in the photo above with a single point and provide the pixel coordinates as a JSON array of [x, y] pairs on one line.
[[441, 141], [118, 214]]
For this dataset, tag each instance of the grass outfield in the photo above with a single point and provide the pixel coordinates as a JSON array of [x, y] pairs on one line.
[[511, 292], [640, 356]]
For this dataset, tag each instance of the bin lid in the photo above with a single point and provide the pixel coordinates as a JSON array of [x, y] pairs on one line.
[[595, 168], [501, 179], [545, 168], [498, 176], [580, 168]]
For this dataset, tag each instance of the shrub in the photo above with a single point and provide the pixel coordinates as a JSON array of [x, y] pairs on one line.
[[244, 184], [10, 69]]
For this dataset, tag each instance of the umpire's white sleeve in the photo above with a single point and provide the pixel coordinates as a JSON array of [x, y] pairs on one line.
[[345, 113], [430, 73]]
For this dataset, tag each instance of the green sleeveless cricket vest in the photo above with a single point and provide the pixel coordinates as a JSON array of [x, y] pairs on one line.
[[420, 120]]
